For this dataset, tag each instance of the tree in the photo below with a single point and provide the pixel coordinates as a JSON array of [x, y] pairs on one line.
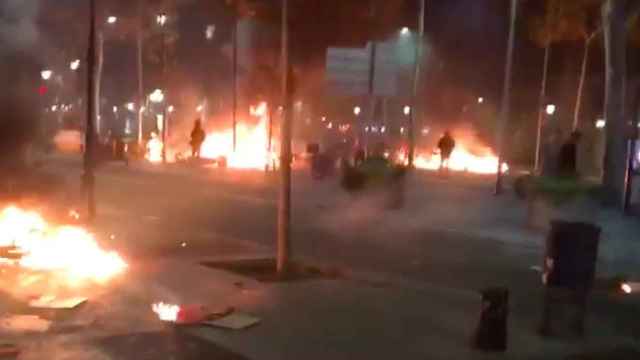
[[614, 17], [563, 20]]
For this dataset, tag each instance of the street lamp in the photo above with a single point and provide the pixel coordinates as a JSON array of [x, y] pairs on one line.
[[46, 74], [550, 109], [171, 109], [112, 20], [157, 96], [407, 110], [210, 31], [74, 65], [130, 106], [161, 19], [405, 31], [480, 100], [357, 110]]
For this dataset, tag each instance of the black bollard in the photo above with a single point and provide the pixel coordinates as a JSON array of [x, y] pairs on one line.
[[491, 334]]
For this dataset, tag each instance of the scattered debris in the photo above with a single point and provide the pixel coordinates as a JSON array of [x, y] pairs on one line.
[[24, 323], [234, 321], [9, 351], [53, 302]]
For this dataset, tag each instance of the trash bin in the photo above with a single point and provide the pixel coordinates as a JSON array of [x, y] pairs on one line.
[[491, 333], [569, 272]]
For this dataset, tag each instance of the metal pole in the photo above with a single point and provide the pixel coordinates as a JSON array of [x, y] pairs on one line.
[[541, 100], [89, 148], [416, 83], [506, 96], [164, 85], [372, 95], [235, 79], [98, 82], [284, 204], [140, 77]]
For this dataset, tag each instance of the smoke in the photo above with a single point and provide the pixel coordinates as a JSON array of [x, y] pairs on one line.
[[20, 74], [18, 30]]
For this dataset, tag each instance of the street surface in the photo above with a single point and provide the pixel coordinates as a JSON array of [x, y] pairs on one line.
[[413, 274]]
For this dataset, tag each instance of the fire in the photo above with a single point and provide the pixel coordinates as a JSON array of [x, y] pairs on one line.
[[70, 251], [154, 149], [252, 143], [483, 161], [166, 312]]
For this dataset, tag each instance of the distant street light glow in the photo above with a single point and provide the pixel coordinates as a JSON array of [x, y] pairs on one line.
[[157, 96], [407, 110], [46, 74], [171, 108], [405, 31], [74, 65], [480, 100], [199, 108], [161, 19], [115, 109], [551, 109], [112, 20], [357, 110], [130, 106], [210, 32], [601, 123]]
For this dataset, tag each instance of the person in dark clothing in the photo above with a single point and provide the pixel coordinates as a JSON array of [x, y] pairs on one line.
[[446, 146], [568, 156], [197, 138]]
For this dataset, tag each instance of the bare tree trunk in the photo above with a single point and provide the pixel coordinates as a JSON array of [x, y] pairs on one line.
[[140, 75], [506, 95], [416, 82], [583, 76], [541, 100], [284, 204], [98, 92], [90, 135], [615, 34]]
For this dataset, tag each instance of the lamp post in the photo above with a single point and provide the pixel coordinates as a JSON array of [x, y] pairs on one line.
[[161, 20]]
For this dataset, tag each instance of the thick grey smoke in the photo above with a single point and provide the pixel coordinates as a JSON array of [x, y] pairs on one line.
[[18, 30], [19, 73]]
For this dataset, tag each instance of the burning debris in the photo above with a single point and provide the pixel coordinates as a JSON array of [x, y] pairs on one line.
[[483, 161], [253, 148], [69, 252]]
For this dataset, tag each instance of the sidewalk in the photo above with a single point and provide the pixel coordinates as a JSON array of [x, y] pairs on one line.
[[326, 319]]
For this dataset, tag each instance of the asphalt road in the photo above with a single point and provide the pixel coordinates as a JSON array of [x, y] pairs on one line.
[[214, 212]]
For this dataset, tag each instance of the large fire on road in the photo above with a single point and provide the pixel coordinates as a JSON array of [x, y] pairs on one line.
[[481, 161], [68, 251], [252, 144]]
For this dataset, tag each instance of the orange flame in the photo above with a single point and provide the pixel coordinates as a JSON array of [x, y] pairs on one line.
[[68, 250], [486, 162], [154, 149], [251, 145], [166, 312]]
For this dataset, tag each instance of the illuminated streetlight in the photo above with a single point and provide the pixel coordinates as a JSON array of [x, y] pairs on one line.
[[157, 96], [170, 108], [357, 110], [550, 109], [112, 20], [46, 74], [74, 65], [130, 106], [161, 19], [210, 32], [600, 123], [480, 100], [115, 109], [407, 110], [405, 31], [54, 108], [199, 108]]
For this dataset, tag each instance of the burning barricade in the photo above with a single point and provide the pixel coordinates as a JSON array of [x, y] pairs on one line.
[[41, 254]]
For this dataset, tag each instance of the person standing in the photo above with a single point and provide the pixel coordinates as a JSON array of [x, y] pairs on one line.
[[568, 156], [446, 146], [197, 138]]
